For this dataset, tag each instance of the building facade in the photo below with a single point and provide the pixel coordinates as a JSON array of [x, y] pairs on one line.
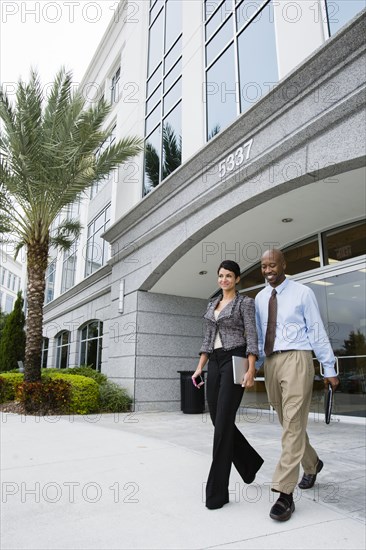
[[11, 277], [254, 125]]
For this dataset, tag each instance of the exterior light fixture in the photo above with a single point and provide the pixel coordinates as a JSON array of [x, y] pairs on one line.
[[202, 273], [287, 220]]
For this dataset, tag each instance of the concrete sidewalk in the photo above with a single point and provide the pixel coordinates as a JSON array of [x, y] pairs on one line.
[[137, 481]]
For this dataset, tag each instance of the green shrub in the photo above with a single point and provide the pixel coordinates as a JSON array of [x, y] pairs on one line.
[[9, 383], [12, 342], [84, 392], [83, 370], [113, 398], [46, 396]]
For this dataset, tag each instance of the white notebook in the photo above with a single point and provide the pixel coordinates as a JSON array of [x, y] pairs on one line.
[[240, 367]]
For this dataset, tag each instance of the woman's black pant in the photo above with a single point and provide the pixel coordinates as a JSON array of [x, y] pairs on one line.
[[229, 445]]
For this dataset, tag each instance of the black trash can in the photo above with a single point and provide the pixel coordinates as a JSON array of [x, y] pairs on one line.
[[192, 399]]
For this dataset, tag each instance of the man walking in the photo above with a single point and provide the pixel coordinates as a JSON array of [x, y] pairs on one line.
[[289, 328]]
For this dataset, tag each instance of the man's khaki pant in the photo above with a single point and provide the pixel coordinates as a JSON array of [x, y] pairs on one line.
[[289, 380]]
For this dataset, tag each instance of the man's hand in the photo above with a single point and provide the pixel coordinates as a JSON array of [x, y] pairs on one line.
[[332, 380]]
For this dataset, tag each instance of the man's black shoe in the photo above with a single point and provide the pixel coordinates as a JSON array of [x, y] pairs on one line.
[[282, 510], [308, 480]]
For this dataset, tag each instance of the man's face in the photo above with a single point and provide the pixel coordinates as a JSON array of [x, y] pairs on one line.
[[273, 268]]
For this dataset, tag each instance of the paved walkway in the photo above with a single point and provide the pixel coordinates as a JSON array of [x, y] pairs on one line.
[[136, 481]]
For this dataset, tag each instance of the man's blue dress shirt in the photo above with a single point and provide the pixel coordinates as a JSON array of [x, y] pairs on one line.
[[299, 325]]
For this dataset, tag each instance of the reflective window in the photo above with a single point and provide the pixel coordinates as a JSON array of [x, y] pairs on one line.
[[161, 99], [257, 59], [69, 267], [154, 80], [152, 160], [155, 9], [44, 357], [219, 41], [115, 85], [342, 244], [153, 119], [219, 17], [173, 55], [9, 302], [172, 141], [221, 97], [174, 94], [210, 7], [339, 12], [247, 10], [173, 75], [173, 22], [50, 281], [97, 249], [91, 343], [156, 37], [62, 350]]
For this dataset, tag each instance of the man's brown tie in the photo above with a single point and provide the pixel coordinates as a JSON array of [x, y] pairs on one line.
[[271, 324]]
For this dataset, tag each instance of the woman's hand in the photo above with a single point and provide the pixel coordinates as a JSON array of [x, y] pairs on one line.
[[248, 380]]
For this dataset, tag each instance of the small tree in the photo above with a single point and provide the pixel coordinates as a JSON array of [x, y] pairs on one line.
[[12, 343]]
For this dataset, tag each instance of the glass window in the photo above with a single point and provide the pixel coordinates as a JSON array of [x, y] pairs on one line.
[[97, 249], [154, 80], [172, 57], [62, 350], [44, 357], [219, 17], [339, 12], [50, 281], [174, 94], [303, 256], [247, 10], [152, 160], [173, 22], [172, 141], [9, 302], [210, 7], [257, 72], [153, 119], [344, 243], [219, 41], [155, 9], [115, 85], [153, 99], [221, 93], [69, 267], [156, 37], [173, 75], [91, 341]]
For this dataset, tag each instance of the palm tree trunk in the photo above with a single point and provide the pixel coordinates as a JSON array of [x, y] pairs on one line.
[[37, 256]]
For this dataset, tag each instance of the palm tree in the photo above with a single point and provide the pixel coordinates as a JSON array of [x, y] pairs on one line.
[[47, 160]]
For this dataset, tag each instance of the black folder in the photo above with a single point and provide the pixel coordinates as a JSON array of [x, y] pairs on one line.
[[328, 403]]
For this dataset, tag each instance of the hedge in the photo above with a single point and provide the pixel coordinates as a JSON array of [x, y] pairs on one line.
[[9, 383]]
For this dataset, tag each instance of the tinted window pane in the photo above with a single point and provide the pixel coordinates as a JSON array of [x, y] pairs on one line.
[[152, 160], [172, 138], [341, 11], [173, 22], [219, 41], [345, 243], [246, 10], [156, 43], [221, 98], [303, 257], [258, 72], [219, 17], [174, 94]]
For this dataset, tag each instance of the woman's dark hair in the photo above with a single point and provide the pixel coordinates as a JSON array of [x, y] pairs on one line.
[[229, 265]]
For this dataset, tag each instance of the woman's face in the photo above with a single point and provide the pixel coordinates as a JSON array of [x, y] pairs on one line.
[[227, 279]]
